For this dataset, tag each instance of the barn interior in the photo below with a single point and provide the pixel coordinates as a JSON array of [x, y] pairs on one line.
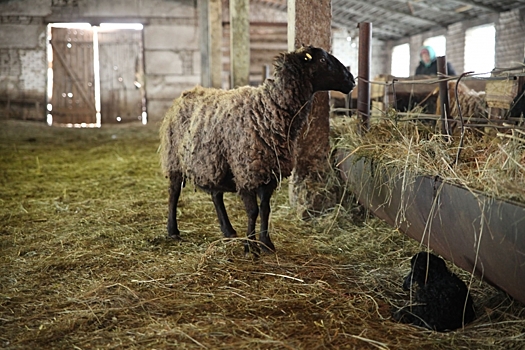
[[85, 261]]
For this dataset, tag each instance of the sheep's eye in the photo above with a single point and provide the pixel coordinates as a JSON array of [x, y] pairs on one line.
[[323, 60]]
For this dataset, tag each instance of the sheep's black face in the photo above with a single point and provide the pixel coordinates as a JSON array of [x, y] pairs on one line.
[[425, 267], [326, 71]]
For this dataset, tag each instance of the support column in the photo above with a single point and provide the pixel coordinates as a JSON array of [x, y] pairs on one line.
[[309, 23], [239, 42], [363, 88], [204, 42], [215, 29]]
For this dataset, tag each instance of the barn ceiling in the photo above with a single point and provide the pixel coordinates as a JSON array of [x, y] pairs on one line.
[[395, 19]]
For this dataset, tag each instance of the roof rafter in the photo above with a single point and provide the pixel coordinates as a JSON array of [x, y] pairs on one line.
[[404, 14], [368, 17], [385, 34], [478, 5]]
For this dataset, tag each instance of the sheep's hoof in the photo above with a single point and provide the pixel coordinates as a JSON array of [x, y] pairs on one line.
[[175, 236], [173, 230], [230, 235], [267, 247], [252, 247]]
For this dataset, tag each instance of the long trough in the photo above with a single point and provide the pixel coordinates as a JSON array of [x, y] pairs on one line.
[[479, 233]]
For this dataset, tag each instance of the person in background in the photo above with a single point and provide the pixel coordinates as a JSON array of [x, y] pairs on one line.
[[428, 63]]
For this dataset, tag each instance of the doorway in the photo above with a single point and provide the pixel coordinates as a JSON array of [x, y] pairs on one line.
[[95, 74]]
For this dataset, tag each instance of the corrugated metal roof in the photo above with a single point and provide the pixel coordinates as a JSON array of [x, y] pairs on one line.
[[395, 19]]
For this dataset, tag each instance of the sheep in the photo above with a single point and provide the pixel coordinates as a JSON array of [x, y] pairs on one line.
[[441, 302], [243, 140]]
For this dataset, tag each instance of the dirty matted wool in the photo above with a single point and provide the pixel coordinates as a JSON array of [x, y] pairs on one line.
[[246, 132]]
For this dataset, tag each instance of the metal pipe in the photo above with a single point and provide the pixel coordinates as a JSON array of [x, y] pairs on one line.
[[363, 85], [443, 95]]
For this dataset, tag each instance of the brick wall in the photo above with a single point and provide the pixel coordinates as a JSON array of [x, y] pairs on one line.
[[416, 41], [381, 57], [345, 50], [510, 38], [172, 62], [34, 68], [172, 59], [23, 67], [510, 45], [456, 46]]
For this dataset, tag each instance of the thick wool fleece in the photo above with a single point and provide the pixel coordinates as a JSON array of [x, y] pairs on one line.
[[248, 133]]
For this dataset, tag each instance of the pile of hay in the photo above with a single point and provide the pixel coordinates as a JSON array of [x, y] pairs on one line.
[[481, 161], [85, 262]]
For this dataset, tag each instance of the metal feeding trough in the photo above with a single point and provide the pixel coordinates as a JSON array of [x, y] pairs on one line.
[[481, 234]]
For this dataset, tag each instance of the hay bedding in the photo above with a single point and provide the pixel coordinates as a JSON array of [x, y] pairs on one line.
[[84, 262]]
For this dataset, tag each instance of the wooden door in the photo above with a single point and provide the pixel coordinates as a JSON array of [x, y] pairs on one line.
[[73, 98], [121, 86]]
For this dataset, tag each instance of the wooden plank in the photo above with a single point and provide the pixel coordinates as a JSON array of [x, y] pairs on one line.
[[240, 42], [215, 29], [120, 56], [73, 98], [74, 78], [204, 41]]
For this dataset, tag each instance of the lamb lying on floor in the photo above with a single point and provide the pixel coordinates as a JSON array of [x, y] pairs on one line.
[[441, 301]]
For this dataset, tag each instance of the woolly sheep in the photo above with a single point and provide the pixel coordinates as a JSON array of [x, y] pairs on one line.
[[243, 140], [441, 301]]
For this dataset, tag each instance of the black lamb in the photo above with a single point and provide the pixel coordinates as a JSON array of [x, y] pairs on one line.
[[441, 301], [243, 140]]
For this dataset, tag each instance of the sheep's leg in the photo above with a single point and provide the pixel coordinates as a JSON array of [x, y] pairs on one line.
[[175, 188], [265, 193], [252, 210], [224, 221]]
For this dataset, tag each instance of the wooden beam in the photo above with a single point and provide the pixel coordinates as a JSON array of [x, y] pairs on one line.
[[215, 28], [309, 23], [478, 5], [204, 42], [240, 42], [387, 10]]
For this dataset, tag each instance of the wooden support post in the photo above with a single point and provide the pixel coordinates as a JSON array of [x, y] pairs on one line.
[[215, 28], [309, 23], [204, 42], [363, 86], [240, 42]]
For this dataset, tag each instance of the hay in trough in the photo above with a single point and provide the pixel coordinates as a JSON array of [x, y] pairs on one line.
[[480, 161], [85, 262]]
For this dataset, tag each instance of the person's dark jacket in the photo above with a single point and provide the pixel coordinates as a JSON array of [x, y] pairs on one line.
[[432, 69]]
